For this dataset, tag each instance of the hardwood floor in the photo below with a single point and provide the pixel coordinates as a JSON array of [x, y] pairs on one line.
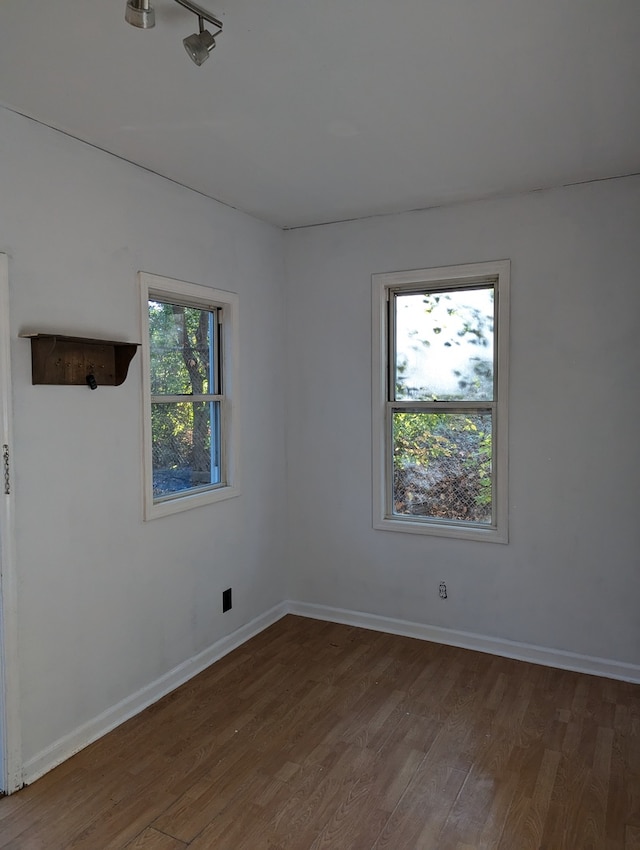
[[315, 735]]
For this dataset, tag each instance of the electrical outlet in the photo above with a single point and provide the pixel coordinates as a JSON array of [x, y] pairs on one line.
[[226, 600], [443, 590]]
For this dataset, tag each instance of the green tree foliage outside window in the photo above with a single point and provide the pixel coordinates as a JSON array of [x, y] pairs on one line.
[[185, 413], [442, 446]]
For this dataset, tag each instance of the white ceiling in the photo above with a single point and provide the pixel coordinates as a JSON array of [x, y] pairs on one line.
[[311, 111]]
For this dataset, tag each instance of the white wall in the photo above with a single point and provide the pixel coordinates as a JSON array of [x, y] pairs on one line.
[[108, 603], [570, 577]]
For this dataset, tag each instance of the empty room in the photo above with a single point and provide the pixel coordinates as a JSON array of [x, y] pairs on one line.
[[319, 355]]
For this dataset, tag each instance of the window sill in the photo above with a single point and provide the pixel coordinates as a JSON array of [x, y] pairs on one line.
[[443, 529], [189, 501]]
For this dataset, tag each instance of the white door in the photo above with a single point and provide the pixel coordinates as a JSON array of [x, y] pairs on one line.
[[10, 743]]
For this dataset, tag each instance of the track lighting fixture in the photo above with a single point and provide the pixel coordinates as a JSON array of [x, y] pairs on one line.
[[199, 45], [140, 13]]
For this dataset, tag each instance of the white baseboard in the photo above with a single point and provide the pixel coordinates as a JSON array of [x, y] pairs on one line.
[[70, 744], [467, 640], [75, 741]]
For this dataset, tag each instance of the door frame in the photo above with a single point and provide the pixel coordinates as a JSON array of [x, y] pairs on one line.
[[11, 769]]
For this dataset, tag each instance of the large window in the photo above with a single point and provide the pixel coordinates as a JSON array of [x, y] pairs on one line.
[[440, 401], [188, 360]]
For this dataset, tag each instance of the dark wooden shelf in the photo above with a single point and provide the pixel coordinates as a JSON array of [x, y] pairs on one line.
[[68, 360]]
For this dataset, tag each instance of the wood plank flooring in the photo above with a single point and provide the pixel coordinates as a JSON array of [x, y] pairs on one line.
[[315, 735]]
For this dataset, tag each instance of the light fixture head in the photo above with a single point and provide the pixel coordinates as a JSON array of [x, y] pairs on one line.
[[140, 13], [199, 46]]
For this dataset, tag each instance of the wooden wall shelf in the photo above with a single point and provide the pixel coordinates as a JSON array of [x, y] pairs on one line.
[[71, 360]]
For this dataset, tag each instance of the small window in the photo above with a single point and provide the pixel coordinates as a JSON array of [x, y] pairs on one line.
[[188, 361], [440, 401]]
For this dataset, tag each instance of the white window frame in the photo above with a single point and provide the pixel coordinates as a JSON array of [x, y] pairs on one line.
[[452, 277], [202, 297]]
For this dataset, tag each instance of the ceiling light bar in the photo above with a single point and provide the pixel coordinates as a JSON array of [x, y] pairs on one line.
[[140, 13], [200, 12]]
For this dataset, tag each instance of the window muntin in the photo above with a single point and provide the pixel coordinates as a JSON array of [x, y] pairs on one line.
[[440, 401], [189, 357]]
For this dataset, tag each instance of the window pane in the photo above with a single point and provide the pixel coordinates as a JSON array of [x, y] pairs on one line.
[[181, 349], [442, 465], [186, 441], [444, 345]]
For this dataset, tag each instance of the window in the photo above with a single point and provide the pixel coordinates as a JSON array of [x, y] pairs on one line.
[[188, 340], [440, 401]]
